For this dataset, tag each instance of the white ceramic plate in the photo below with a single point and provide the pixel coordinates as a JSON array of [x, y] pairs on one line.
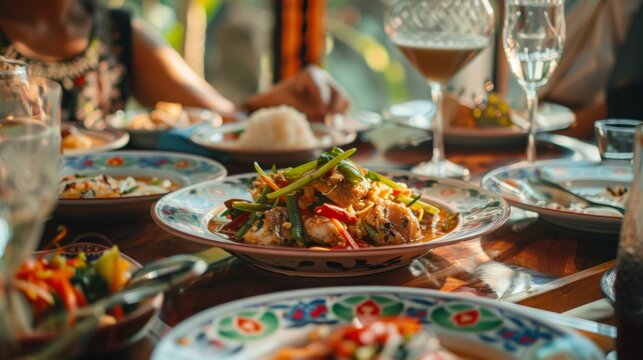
[[551, 117], [148, 139], [476, 328], [583, 177], [187, 213], [182, 169], [104, 140], [223, 139]]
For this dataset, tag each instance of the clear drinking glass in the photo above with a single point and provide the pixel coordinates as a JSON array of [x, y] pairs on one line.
[[533, 39], [439, 37], [29, 161]]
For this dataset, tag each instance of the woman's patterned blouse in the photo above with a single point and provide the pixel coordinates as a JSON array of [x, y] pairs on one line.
[[95, 82]]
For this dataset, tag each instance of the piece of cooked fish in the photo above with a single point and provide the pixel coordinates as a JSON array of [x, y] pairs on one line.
[[269, 229], [339, 190], [394, 223], [321, 231]]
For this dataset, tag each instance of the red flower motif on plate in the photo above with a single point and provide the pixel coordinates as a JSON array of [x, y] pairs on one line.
[[115, 161], [368, 308], [466, 318], [248, 325]]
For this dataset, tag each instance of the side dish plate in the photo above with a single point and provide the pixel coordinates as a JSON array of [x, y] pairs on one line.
[[181, 169], [583, 177]]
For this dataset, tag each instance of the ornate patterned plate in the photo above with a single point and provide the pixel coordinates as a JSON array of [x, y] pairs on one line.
[[223, 139], [187, 212], [476, 328], [181, 169], [584, 177], [107, 336]]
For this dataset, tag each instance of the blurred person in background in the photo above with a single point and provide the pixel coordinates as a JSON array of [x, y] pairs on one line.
[[600, 74], [102, 56]]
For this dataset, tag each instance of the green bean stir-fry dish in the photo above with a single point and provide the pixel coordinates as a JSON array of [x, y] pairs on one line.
[[332, 203]]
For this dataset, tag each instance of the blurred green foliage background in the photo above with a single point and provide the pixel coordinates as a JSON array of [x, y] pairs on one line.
[[228, 42]]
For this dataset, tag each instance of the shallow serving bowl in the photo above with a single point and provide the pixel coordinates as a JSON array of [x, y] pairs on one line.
[[472, 327], [187, 214], [182, 169], [107, 336]]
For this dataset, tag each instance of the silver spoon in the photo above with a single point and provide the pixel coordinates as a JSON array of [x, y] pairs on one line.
[[563, 196]]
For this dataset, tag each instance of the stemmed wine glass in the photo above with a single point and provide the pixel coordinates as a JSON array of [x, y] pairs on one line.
[[439, 37], [29, 161], [533, 39]]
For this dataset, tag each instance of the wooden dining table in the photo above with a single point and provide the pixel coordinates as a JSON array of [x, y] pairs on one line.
[[527, 261]]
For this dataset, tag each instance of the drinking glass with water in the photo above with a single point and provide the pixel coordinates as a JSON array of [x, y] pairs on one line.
[[29, 160], [533, 39]]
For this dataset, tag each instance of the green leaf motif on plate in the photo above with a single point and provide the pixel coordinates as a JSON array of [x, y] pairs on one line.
[[249, 325], [465, 317], [352, 306]]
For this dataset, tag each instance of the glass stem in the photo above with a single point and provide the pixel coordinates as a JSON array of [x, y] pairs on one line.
[[438, 123], [532, 107]]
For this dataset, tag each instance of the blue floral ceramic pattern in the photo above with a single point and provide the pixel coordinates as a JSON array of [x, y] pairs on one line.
[[182, 164], [255, 327], [187, 213]]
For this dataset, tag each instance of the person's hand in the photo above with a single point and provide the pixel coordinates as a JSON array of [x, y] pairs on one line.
[[312, 91]]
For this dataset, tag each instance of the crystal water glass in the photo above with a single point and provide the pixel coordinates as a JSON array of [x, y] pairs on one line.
[[533, 38]]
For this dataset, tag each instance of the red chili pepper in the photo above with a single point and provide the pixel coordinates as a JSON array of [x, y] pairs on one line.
[[80, 297], [60, 283], [348, 239], [118, 312], [237, 222], [335, 212]]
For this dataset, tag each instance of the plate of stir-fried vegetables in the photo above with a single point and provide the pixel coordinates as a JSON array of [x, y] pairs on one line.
[[56, 284], [330, 216]]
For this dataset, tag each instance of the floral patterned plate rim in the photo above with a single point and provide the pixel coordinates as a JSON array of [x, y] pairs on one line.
[[92, 251], [187, 212], [570, 174], [257, 326], [182, 169]]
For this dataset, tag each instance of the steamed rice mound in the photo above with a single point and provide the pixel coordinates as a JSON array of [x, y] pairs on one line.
[[280, 127]]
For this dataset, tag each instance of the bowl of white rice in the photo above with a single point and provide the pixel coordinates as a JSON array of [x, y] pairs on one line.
[[279, 135]]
